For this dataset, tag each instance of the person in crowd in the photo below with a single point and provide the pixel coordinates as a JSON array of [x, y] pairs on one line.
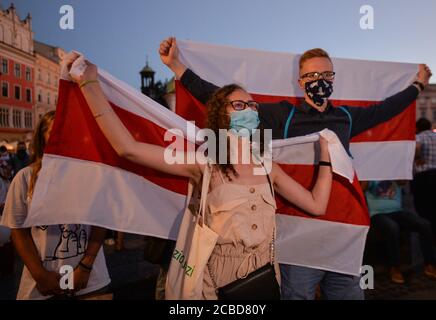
[[240, 205], [21, 158], [384, 200], [424, 180], [315, 113], [115, 238], [5, 175], [46, 249]]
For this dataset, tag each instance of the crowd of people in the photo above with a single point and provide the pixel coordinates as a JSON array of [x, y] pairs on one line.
[[239, 250]]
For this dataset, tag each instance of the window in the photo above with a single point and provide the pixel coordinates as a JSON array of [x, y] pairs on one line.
[[5, 69], [39, 75], [4, 117], [56, 100], [423, 113], [17, 70], [48, 98], [48, 78], [18, 92], [28, 74], [40, 96], [28, 95], [28, 120], [422, 101], [5, 89], [16, 118]]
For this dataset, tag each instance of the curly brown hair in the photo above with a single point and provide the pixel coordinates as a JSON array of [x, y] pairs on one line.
[[218, 118]]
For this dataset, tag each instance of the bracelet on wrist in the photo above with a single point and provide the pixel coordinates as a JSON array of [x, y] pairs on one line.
[[85, 267], [420, 85], [98, 115], [86, 82], [325, 163]]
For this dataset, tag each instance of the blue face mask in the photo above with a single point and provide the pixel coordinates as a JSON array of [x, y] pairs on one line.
[[247, 119]]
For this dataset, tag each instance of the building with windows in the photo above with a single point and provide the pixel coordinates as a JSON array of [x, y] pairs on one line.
[[17, 62], [426, 104], [47, 70]]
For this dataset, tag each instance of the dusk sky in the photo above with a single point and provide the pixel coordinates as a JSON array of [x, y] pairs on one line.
[[118, 35]]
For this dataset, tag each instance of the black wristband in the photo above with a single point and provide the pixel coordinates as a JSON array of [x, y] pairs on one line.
[[325, 163], [419, 84], [85, 267]]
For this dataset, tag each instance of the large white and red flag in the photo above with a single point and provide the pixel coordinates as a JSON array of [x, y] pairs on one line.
[[335, 241], [83, 180]]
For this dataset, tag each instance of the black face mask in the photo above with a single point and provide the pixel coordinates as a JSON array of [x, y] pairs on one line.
[[319, 90]]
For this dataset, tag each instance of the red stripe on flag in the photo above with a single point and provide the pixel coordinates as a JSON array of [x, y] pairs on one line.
[[347, 202], [188, 107], [76, 134]]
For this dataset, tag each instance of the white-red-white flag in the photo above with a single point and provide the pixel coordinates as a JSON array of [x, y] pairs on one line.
[[83, 180]]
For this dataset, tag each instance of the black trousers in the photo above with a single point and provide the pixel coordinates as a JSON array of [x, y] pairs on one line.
[[390, 225], [424, 196]]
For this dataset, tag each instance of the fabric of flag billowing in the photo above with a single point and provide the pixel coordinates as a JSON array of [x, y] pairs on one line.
[[335, 241], [84, 181]]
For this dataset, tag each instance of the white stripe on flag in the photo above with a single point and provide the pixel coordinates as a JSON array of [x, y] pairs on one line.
[[129, 99], [389, 160], [302, 150], [71, 191], [276, 74], [320, 244]]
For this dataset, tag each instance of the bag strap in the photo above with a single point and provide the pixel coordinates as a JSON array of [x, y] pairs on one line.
[[205, 189]]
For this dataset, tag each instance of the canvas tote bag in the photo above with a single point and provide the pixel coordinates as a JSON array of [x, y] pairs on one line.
[[194, 246]]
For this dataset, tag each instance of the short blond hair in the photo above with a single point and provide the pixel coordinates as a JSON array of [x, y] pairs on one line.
[[313, 53]]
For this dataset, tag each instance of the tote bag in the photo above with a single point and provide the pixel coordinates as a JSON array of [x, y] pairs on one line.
[[194, 246]]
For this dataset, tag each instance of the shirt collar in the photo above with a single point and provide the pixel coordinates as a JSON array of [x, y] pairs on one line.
[[306, 108]]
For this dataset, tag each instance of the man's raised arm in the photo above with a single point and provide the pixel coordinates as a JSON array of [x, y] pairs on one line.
[[199, 88], [365, 118]]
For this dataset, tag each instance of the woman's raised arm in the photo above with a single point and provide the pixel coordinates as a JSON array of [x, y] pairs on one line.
[[120, 138], [315, 201]]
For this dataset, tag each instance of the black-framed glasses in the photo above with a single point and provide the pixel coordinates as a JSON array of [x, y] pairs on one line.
[[326, 75], [239, 105]]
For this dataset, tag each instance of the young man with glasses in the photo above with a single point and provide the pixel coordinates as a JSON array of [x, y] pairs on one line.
[[314, 114]]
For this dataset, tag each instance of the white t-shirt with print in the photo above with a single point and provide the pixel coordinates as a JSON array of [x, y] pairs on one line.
[[57, 245]]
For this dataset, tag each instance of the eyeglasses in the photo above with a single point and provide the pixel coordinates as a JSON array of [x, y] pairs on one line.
[[326, 75], [239, 105]]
